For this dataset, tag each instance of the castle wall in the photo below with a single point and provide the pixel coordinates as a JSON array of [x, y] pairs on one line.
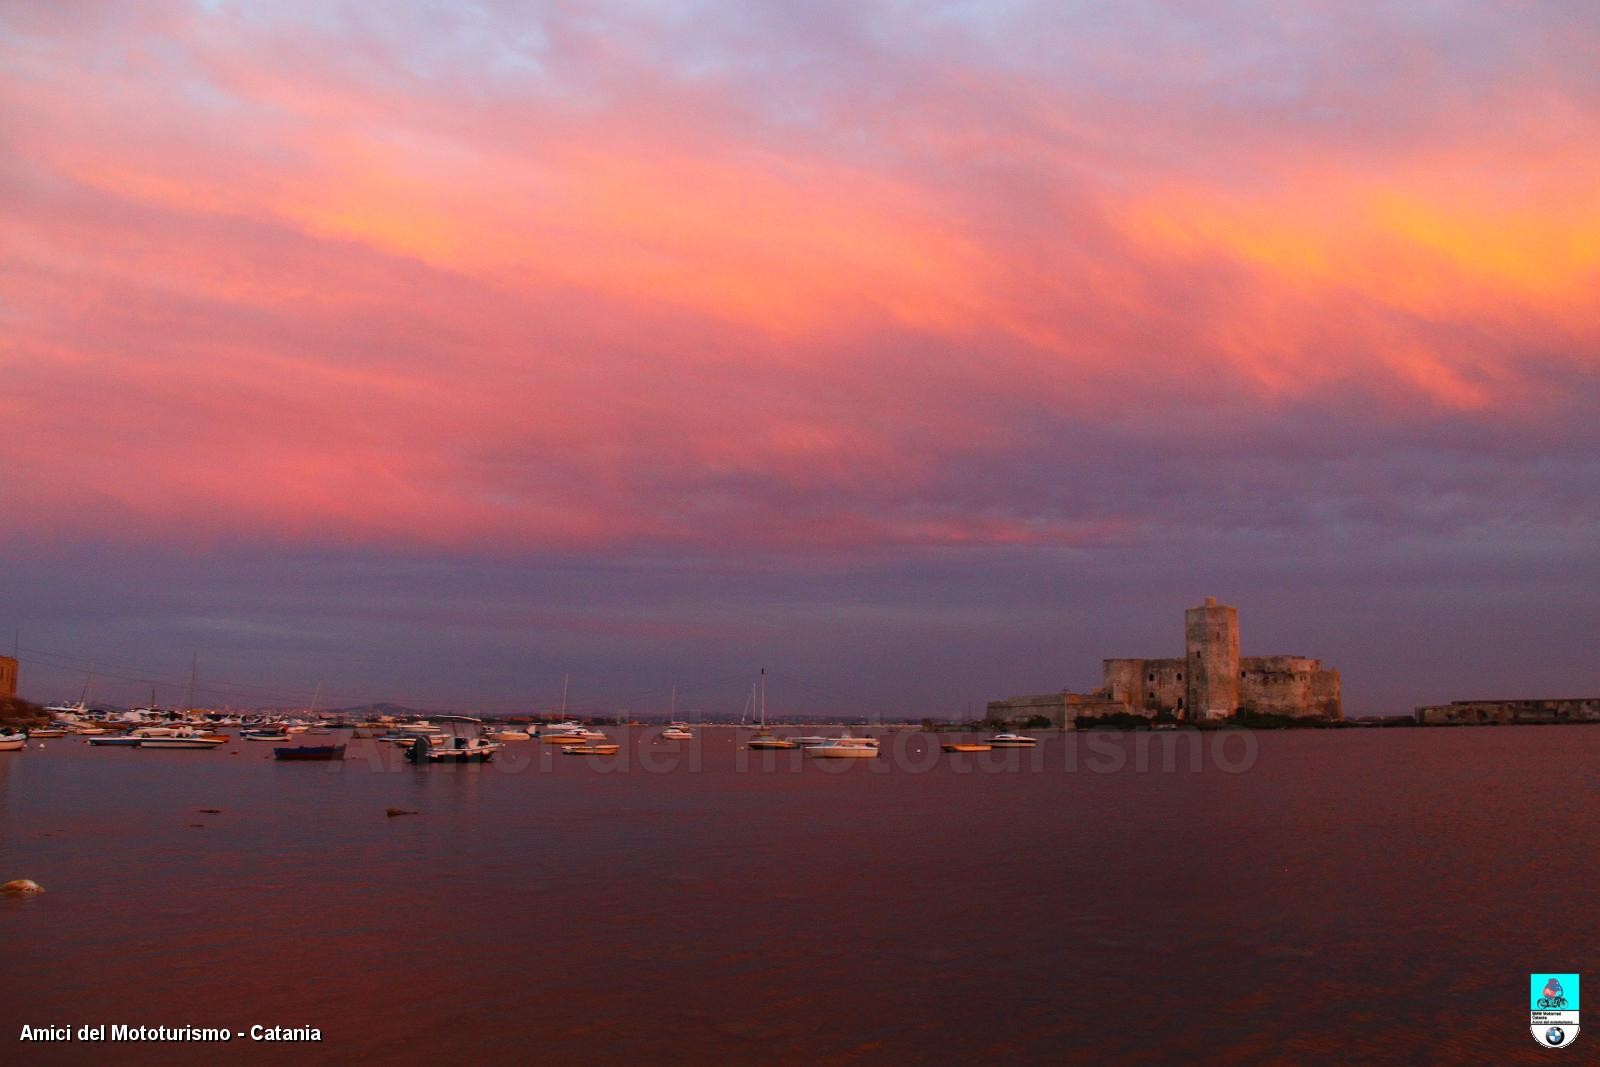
[[1052, 706], [8, 677], [1092, 704], [1276, 685], [1509, 712], [1327, 694], [1145, 686]]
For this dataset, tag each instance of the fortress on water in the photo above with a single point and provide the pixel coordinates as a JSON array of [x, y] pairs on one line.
[[1211, 682]]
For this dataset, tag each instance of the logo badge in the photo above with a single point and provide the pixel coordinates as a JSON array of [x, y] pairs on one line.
[[1553, 1008]]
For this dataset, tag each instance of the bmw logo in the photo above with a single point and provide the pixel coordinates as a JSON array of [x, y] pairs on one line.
[[1555, 1035]]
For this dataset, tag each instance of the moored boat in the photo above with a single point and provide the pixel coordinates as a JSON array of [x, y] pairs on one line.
[[965, 746], [183, 737], [846, 747], [12, 742], [1012, 741], [562, 733], [592, 750], [764, 738], [457, 747], [465, 750], [309, 752]]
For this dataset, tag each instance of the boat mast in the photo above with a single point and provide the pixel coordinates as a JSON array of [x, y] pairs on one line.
[[188, 696], [565, 678], [763, 698], [672, 716]]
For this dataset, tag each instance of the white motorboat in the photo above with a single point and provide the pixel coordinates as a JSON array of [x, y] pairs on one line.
[[12, 742], [1012, 741], [271, 734], [454, 745], [184, 737], [512, 735], [846, 747], [462, 750], [678, 731], [563, 733]]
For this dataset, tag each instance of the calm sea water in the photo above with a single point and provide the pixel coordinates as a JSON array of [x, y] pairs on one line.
[[1325, 897]]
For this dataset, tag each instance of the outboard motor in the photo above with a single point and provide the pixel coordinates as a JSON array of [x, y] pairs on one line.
[[418, 750]]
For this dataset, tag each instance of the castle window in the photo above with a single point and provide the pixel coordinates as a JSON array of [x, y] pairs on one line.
[[1151, 678], [1180, 676]]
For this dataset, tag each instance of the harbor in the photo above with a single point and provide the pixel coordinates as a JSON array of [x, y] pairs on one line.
[[574, 914]]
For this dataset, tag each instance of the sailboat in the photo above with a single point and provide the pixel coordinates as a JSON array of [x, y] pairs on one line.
[[676, 731], [764, 737]]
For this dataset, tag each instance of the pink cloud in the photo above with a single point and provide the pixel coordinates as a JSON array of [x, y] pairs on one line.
[[328, 281]]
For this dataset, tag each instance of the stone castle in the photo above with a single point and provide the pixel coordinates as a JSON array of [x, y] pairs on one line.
[[8, 677], [1211, 682]]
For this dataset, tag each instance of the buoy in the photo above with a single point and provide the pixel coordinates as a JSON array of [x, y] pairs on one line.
[[22, 885]]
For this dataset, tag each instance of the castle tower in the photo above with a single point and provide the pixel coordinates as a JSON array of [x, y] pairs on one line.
[[1211, 661]]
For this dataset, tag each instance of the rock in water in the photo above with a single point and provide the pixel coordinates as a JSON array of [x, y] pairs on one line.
[[22, 885], [392, 812]]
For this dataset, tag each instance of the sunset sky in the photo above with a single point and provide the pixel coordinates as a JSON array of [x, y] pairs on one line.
[[924, 353]]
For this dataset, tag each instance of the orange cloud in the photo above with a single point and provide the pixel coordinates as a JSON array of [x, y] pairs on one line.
[[307, 291]]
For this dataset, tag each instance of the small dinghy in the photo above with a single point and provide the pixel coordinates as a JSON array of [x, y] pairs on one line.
[[309, 752], [965, 746], [592, 750]]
